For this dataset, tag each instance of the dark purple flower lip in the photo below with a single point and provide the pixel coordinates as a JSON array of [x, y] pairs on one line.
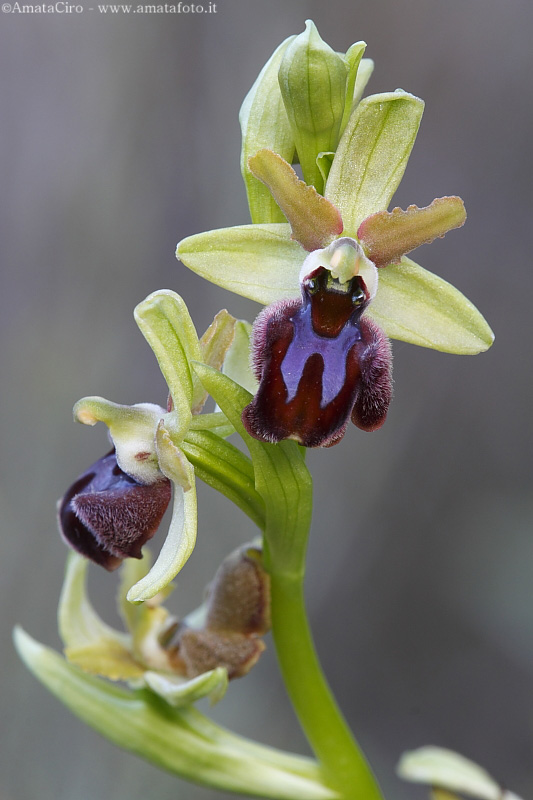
[[319, 363], [107, 516]]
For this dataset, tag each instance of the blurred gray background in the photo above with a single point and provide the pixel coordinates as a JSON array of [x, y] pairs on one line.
[[119, 136]]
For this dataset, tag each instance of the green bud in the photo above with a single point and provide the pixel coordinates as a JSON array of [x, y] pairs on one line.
[[313, 78]]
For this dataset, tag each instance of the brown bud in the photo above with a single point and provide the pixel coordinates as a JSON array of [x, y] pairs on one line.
[[204, 650], [239, 596]]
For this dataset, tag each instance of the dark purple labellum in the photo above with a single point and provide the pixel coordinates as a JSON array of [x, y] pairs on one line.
[[107, 516], [318, 363]]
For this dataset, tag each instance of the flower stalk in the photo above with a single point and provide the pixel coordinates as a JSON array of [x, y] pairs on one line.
[[284, 483]]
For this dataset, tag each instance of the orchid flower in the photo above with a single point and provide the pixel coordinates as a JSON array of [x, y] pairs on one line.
[[320, 349], [116, 506]]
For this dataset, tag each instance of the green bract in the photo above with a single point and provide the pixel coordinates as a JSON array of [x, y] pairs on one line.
[[262, 261], [181, 740]]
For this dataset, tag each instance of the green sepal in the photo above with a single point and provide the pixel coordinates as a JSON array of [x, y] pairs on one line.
[[353, 57], [261, 262], [181, 693], [314, 220], [166, 324], [264, 123], [372, 155], [418, 307], [312, 79], [182, 741], [223, 467], [281, 478], [88, 642], [445, 769], [181, 536], [132, 429]]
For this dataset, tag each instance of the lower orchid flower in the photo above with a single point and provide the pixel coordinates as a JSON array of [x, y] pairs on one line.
[[116, 506]]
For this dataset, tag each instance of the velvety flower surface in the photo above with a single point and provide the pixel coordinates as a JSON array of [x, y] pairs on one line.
[[318, 363], [106, 515]]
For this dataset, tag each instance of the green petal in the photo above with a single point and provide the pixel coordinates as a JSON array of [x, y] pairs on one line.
[[89, 643], [372, 155], [181, 536], [389, 235], [264, 123], [448, 770], [166, 324], [182, 741], [314, 221], [180, 692], [261, 262], [312, 79], [416, 306]]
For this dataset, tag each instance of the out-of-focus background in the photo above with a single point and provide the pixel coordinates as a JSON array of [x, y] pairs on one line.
[[119, 136]]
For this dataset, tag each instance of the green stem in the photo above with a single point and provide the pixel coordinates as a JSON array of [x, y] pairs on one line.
[[284, 483], [322, 722]]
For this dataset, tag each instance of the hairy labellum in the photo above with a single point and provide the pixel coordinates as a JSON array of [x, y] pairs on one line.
[[107, 516], [319, 362]]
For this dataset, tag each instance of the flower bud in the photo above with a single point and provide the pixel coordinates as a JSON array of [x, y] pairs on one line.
[[237, 613], [313, 79]]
